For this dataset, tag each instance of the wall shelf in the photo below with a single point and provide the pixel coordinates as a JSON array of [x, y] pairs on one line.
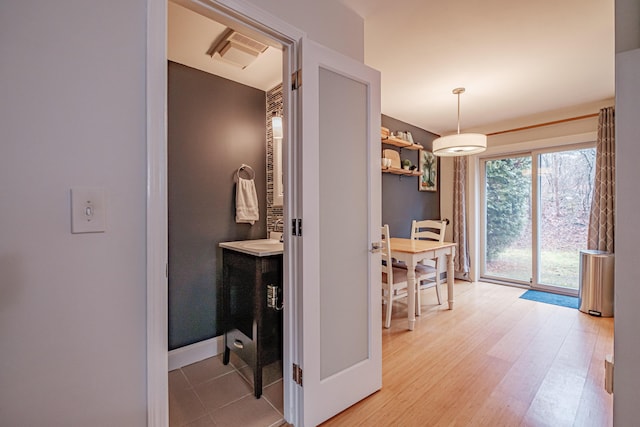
[[398, 171], [401, 143]]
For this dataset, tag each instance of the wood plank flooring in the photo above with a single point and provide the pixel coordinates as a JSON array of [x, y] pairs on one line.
[[495, 360]]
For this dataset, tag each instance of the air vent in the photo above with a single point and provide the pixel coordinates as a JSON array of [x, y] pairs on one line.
[[237, 49], [245, 41]]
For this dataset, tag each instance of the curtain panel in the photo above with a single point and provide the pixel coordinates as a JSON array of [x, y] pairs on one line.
[[601, 218], [462, 260]]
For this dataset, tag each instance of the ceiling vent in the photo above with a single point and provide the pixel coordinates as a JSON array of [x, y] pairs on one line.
[[237, 49]]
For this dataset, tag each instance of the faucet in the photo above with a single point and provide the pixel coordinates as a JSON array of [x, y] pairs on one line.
[[275, 228]]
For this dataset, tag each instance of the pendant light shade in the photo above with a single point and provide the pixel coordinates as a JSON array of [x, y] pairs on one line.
[[460, 144]]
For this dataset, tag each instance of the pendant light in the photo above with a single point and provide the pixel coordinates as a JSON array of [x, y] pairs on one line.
[[460, 144]]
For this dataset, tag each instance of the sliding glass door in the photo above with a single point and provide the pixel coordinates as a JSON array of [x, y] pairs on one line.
[[508, 218], [565, 181], [535, 217]]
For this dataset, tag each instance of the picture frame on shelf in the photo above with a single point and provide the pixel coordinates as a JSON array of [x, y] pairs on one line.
[[428, 163]]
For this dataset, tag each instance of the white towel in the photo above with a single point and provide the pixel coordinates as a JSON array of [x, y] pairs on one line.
[[246, 202]]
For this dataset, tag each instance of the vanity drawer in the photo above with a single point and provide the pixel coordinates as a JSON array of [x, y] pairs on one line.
[[241, 345]]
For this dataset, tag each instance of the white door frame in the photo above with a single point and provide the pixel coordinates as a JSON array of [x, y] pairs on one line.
[[157, 235]]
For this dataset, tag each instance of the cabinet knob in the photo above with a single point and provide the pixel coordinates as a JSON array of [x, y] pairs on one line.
[[238, 344]]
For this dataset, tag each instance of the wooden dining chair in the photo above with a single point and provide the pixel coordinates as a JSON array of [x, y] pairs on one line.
[[429, 229], [394, 279]]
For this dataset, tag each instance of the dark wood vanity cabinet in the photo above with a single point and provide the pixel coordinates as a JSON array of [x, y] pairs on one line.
[[252, 329]]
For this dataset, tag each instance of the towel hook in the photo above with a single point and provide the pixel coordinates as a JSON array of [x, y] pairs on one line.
[[248, 169]]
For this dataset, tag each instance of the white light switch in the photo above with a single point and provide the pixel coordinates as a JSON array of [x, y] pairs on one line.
[[88, 210]]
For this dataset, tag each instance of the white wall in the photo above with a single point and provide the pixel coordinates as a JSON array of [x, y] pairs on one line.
[[446, 194], [626, 410], [73, 307], [627, 26], [329, 23]]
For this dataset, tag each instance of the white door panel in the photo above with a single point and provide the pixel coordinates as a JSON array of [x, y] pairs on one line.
[[340, 207]]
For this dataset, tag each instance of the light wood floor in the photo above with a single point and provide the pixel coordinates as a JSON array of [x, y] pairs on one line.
[[495, 360]]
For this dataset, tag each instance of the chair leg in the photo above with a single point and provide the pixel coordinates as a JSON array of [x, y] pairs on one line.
[[438, 293], [418, 299], [438, 283], [387, 322]]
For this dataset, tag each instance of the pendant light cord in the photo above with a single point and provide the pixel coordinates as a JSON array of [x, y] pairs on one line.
[[458, 91], [458, 113]]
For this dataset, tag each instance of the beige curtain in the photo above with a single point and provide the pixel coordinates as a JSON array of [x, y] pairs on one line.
[[601, 219], [461, 265]]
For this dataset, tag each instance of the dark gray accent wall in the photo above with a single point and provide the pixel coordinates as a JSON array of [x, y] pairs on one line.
[[214, 126], [401, 200]]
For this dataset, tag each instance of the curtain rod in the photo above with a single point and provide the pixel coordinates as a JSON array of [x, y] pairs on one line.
[[555, 122]]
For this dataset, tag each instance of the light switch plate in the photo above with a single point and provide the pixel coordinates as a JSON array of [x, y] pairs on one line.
[[88, 210]]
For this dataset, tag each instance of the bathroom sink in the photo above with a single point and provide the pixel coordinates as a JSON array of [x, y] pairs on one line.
[[263, 245], [260, 247]]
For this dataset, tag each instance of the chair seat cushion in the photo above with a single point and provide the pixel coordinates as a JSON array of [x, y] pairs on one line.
[[420, 268], [399, 275]]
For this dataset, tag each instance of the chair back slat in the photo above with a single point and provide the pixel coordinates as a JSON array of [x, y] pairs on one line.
[[386, 254], [428, 229]]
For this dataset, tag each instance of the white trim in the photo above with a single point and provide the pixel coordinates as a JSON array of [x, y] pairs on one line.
[[196, 352], [473, 217], [157, 239], [539, 144]]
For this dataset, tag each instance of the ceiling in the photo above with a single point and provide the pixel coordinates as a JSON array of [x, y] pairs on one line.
[[519, 60], [515, 58], [191, 35]]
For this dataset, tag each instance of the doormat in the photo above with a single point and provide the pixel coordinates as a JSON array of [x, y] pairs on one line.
[[549, 298]]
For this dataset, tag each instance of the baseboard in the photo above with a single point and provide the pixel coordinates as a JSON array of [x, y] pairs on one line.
[[196, 352]]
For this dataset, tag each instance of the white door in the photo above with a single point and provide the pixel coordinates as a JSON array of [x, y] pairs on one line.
[[339, 204]]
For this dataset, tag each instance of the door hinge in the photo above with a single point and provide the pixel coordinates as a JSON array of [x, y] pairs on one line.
[[296, 79], [297, 374], [296, 227]]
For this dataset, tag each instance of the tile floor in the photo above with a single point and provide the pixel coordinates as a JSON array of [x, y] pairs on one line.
[[208, 394]]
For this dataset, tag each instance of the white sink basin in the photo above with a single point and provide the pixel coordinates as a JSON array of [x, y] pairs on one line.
[[260, 247], [263, 245]]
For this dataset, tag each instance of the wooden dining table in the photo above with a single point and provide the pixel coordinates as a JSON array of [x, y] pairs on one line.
[[411, 252]]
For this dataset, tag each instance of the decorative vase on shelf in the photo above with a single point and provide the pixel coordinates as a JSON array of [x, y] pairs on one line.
[[409, 137]]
